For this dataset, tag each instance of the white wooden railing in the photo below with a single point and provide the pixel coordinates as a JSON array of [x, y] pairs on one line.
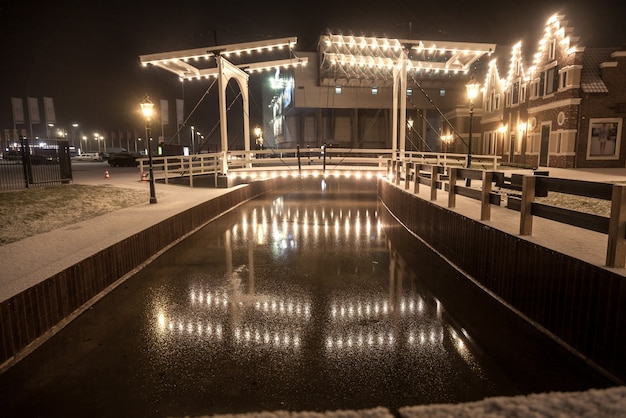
[[324, 160]]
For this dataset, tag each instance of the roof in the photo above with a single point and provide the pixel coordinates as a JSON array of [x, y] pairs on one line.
[[591, 77]]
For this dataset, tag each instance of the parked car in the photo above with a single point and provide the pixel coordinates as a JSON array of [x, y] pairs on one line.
[[36, 159], [88, 156], [13, 155], [123, 159]]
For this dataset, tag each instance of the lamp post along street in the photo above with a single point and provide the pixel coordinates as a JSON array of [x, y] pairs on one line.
[[193, 140], [259, 137], [472, 92], [147, 108]]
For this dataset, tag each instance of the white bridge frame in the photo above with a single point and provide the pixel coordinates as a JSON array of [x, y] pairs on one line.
[[345, 52]]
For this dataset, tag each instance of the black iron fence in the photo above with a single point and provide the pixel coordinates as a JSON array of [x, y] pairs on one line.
[[35, 163]]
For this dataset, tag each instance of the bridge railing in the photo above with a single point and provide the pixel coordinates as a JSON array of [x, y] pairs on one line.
[[297, 159], [182, 166], [483, 162]]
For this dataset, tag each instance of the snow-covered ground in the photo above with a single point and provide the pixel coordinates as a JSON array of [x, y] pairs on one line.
[[594, 403]]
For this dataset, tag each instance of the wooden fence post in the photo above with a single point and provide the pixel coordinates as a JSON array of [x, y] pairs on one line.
[[433, 182], [451, 186], [416, 185], [528, 196], [398, 172], [616, 247], [485, 206], [407, 175]]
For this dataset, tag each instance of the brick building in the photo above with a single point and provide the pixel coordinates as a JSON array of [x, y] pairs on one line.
[[565, 109]]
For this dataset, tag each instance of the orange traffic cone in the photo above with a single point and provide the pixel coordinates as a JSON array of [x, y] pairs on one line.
[[144, 176], [106, 174]]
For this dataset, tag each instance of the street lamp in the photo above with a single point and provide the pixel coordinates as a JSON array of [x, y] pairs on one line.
[[502, 129], [147, 107], [472, 92], [193, 141], [75, 126], [96, 137], [259, 137]]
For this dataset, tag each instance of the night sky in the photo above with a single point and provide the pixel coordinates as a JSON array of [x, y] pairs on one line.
[[85, 55]]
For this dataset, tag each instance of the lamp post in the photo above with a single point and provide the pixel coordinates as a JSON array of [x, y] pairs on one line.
[[147, 107], [259, 137], [75, 126], [193, 141], [472, 92], [409, 125]]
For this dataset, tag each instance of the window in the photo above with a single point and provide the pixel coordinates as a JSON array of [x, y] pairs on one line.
[[551, 80], [552, 50], [338, 90], [564, 79], [515, 96], [522, 95], [489, 147], [442, 92], [548, 82], [409, 92], [534, 89], [374, 90]]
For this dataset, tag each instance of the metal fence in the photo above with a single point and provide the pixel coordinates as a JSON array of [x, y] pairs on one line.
[[35, 163]]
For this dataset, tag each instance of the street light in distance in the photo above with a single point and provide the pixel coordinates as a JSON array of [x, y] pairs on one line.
[[472, 92], [147, 108]]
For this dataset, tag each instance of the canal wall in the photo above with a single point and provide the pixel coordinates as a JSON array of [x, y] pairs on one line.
[[35, 314], [580, 306]]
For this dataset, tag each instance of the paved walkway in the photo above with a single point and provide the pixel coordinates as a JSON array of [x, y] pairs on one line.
[[36, 258], [579, 243]]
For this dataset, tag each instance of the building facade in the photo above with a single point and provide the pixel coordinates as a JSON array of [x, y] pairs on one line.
[[565, 109], [558, 104]]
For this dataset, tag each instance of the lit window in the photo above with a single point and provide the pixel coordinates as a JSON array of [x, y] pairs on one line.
[[442, 92], [338, 90], [409, 92], [374, 90]]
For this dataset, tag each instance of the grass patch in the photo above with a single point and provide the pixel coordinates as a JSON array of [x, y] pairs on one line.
[[34, 211]]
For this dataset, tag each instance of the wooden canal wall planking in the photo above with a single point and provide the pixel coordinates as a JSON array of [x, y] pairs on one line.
[[580, 304], [40, 310]]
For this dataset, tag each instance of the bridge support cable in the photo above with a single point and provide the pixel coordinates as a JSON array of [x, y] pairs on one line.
[[192, 112], [439, 111], [452, 128]]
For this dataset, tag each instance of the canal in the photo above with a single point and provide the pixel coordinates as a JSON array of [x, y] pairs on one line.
[[297, 300]]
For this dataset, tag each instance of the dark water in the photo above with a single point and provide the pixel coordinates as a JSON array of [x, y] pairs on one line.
[[294, 301]]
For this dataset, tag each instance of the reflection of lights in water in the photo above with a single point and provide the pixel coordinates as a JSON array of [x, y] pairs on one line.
[[323, 185], [348, 341], [262, 303]]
